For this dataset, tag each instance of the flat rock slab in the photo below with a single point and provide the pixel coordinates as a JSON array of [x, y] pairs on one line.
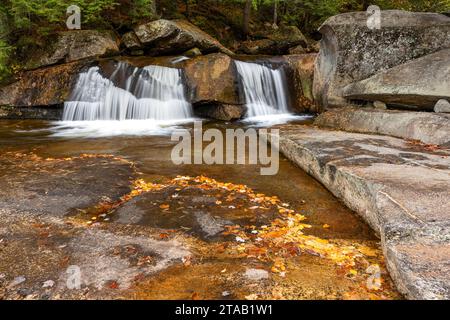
[[193, 210], [46, 250], [431, 128], [57, 187], [99, 261], [401, 189]]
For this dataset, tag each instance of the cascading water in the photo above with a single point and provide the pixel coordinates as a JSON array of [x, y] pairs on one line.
[[264, 89], [130, 93]]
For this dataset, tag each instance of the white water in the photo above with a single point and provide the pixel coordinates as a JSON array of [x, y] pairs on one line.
[[264, 89], [109, 128], [150, 93]]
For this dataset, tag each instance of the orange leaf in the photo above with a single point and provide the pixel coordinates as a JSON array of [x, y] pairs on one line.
[[113, 285]]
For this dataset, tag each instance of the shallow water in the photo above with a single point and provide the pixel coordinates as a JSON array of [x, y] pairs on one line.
[[149, 147]]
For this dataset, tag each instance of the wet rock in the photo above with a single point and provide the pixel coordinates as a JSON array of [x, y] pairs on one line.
[[399, 189], [352, 52], [162, 37], [442, 106], [211, 79], [417, 84], [17, 280], [256, 274], [301, 71], [66, 186], [68, 46], [49, 86], [426, 127], [40, 113], [210, 225], [24, 292], [102, 255], [223, 112], [106, 256], [193, 210]]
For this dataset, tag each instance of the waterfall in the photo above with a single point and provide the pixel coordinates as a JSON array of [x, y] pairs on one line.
[[264, 89], [130, 93]]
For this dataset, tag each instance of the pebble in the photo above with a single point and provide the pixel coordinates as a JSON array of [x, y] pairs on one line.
[[16, 281], [379, 105], [226, 294], [256, 274], [48, 284], [24, 292]]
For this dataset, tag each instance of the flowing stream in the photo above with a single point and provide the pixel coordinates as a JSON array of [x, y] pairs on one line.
[[195, 212]]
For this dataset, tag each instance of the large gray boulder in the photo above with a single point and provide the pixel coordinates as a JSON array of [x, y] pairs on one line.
[[75, 45], [417, 84], [351, 51], [162, 37]]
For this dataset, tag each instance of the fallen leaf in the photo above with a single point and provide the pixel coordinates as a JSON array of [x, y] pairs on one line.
[[195, 296], [113, 284]]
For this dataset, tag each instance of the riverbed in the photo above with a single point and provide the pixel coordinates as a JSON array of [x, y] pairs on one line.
[[232, 233]]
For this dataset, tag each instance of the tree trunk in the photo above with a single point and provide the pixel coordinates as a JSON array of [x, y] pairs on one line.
[[275, 13], [187, 9], [247, 11]]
